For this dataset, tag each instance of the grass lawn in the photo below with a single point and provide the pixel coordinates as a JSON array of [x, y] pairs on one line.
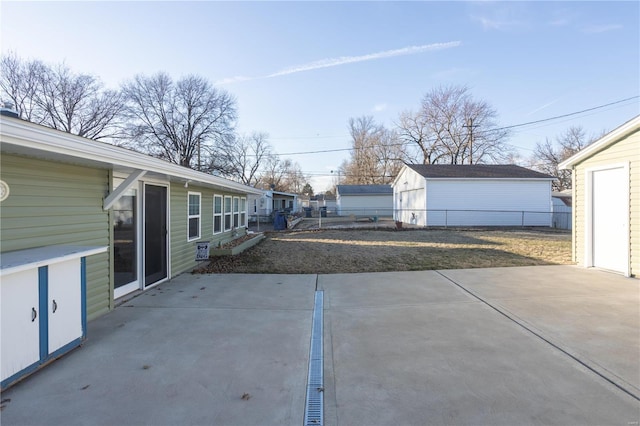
[[366, 250]]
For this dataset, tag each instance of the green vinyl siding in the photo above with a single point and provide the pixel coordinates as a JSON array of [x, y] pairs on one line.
[[183, 252], [54, 203]]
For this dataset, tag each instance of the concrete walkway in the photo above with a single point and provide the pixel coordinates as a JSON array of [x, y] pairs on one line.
[[530, 345]]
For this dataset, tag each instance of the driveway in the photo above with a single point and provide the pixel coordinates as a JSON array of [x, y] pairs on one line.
[[528, 345]]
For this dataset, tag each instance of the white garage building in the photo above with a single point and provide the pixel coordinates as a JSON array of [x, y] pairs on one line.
[[364, 200], [472, 195], [606, 201]]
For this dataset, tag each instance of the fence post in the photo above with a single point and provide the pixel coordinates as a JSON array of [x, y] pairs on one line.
[[446, 218], [523, 218]]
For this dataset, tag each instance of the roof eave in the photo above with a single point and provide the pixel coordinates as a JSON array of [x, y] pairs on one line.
[[615, 135], [40, 138]]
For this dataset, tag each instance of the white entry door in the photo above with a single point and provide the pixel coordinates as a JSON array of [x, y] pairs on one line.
[[609, 203]]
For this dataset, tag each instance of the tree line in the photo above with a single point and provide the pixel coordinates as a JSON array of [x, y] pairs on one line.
[[192, 123], [449, 127], [187, 121]]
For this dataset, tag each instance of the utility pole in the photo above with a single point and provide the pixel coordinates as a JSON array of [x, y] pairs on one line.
[[470, 126]]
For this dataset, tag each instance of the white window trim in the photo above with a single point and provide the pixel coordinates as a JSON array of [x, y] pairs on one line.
[[236, 212], [190, 216], [225, 214], [243, 223], [221, 214]]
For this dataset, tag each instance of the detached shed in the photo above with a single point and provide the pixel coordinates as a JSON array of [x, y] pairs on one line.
[[364, 200], [472, 195], [606, 201]]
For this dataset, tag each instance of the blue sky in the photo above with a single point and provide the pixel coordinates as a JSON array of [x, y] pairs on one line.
[[300, 70]]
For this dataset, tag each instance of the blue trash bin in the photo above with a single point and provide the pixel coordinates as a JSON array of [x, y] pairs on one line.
[[279, 222]]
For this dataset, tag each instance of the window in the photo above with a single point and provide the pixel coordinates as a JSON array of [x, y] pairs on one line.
[[243, 211], [193, 208], [227, 213], [217, 214], [236, 212]]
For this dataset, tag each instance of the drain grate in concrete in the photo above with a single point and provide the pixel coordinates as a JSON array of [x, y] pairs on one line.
[[315, 402]]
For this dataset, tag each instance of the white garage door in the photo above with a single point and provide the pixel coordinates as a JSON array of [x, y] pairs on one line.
[[610, 215]]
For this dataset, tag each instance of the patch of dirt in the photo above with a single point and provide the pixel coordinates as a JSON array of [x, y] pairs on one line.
[[238, 241], [367, 250]]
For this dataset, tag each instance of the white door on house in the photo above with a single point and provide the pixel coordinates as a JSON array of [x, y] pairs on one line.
[[609, 221]]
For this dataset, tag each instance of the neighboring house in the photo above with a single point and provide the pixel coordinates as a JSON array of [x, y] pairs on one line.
[[606, 201], [148, 215], [364, 200], [472, 195], [561, 205], [268, 201]]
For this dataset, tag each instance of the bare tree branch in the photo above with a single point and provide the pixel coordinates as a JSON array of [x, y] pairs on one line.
[[58, 98], [182, 122], [451, 127]]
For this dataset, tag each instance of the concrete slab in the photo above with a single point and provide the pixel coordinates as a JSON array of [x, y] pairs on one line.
[[183, 353], [594, 315], [447, 358], [434, 347]]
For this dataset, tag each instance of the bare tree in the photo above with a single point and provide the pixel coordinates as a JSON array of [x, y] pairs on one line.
[[182, 121], [241, 158], [452, 127], [61, 99], [376, 156], [78, 104], [390, 156], [19, 81], [413, 129], [547, 155], [294, 180], [282, 175]]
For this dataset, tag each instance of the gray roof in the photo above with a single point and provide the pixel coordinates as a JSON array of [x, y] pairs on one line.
[[365, 189], [481, 171]]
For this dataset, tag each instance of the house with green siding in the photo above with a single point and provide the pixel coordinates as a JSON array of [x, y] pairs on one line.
[[149, 215]]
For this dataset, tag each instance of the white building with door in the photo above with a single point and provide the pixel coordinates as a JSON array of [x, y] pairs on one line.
[[606, 201], [472, 195]]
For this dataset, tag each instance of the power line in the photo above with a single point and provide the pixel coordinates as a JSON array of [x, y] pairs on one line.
[[513, 126], [564, 115]]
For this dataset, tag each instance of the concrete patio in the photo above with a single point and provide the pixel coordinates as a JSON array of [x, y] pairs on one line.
[[528, 345]]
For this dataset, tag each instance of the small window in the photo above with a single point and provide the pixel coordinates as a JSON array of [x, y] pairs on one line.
[[243, 212], [217, 214], [236, 212], [227, 213], [193, 208]]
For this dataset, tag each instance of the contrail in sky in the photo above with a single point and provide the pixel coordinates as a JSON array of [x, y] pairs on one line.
[[342, 60]]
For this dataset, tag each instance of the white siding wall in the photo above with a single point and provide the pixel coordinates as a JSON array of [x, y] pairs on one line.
[[561, 214], [409, 198], [488, 202], [366, 205]]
